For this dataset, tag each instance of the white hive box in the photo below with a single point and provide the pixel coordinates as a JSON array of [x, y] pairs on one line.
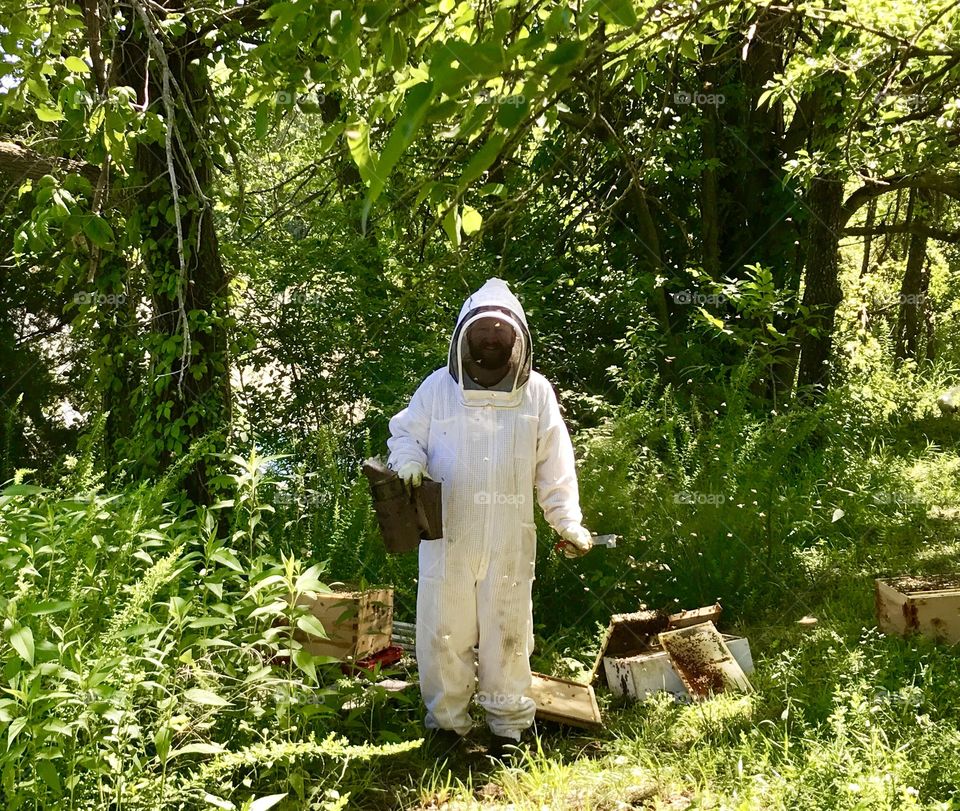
[[649, 672]]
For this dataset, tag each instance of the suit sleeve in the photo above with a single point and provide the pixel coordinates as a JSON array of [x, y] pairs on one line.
[[557, 490], [410, 429]]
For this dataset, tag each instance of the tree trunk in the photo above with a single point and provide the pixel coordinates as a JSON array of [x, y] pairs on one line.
[[822, 293], [709, 196], [868, 237], [916, 281], [188, 385]]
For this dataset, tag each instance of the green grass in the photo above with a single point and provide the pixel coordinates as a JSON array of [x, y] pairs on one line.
[[842, 717], [146, 657]]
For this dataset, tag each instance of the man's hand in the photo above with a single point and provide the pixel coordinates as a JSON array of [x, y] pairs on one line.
[[412, 474], [577, 541]]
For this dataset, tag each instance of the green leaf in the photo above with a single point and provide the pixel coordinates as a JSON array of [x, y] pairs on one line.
[[283, 12], [387, 45], [401, 136], [76, 65], [481, 160], [451, 224], [258, 675], [48, 607], [50, 114], [640, 82], [512, 111], [22, 641], [352, 58], [311, 625], [141, 629], [766, 96], [162, 742], [22, 490], [619, 12], [48, 773], [99, 231], [277, 608], [261, 120], [444, 75], [15, 728], [198, 749], [713, 320], [306, 663], [478, 59], [227, 558], [209, 622], [38, 88], [566, 52], [358, 141], [207, 697], [471, 219], [308, 580]]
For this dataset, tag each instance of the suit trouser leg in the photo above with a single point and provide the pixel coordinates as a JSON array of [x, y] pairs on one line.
[[446, 636], [505, 616]]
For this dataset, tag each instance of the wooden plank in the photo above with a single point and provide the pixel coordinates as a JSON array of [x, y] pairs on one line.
[[703, 661], [564, 701], [376, 628], [891, 613], [684, 619], [631, 634], [938, 616]]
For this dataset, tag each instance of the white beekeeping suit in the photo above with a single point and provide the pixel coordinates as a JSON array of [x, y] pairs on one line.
[[487, 446]]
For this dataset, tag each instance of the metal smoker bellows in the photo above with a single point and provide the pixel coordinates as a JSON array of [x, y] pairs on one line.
[[404, 517]]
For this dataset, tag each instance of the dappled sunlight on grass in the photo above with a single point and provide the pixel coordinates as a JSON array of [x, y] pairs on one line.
[[842, 717]]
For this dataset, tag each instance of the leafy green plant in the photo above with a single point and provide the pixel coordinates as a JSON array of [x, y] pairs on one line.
[[151, 663]]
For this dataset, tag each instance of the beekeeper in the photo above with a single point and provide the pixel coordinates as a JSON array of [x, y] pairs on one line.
[[487, 428]]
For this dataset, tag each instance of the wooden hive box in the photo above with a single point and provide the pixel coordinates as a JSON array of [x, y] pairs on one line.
[[358, 623], [925, 605], [564, 701], [634, 634]]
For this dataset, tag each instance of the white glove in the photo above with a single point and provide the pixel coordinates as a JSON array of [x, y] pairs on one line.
[[577, 541], [411, 473]]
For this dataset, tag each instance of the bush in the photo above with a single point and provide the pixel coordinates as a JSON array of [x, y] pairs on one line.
[[151, 662]]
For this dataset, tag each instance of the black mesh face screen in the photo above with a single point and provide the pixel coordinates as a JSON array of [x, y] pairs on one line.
[[520, 354]]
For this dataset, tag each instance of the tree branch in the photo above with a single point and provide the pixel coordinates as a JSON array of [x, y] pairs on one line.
[[19, 162], [917, 228], [948, 184]]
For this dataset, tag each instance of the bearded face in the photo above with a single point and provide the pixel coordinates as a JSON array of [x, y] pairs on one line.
[[490, 341]]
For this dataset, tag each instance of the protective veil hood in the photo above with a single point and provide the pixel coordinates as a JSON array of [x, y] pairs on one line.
[[494, 298]]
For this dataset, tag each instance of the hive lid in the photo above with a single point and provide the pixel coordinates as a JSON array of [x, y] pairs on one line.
[[564, 701], [913, 584]]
